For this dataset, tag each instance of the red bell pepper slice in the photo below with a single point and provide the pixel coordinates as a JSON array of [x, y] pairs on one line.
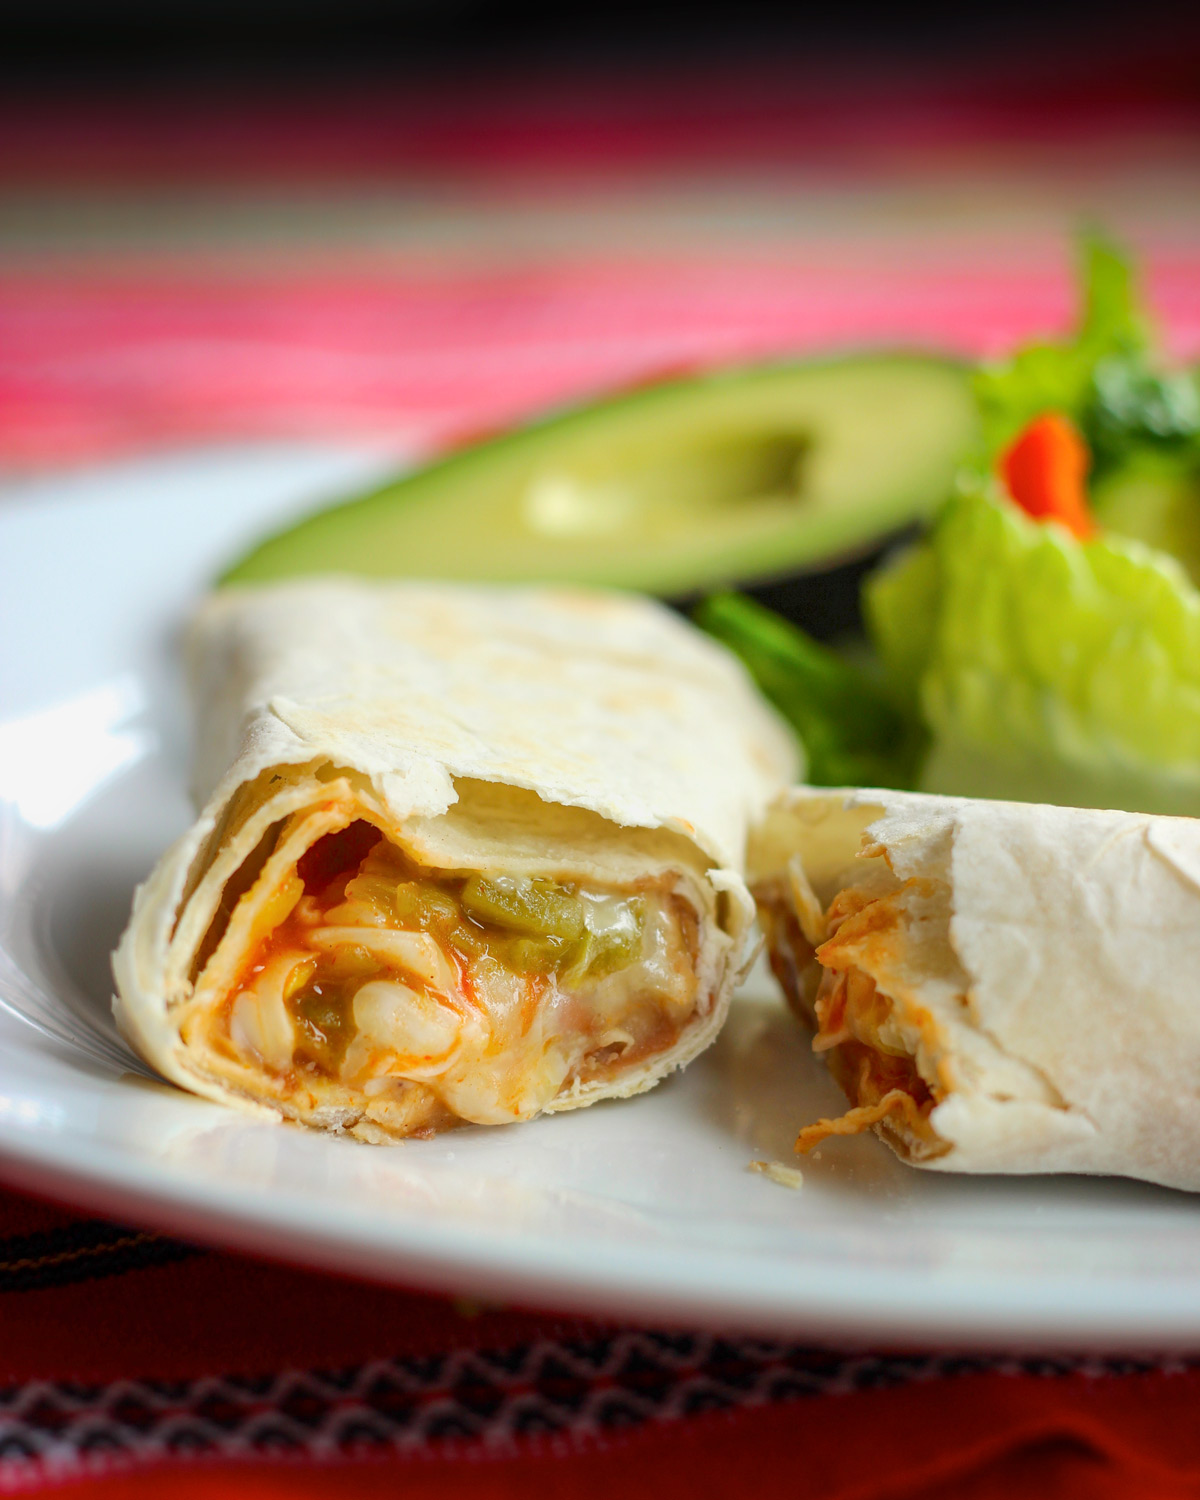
[[1045, 470]]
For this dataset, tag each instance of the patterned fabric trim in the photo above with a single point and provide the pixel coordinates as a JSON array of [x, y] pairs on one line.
[[478, 1400], [81, 1252]]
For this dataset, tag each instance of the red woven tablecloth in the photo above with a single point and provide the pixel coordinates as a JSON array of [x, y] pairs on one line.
[[133, 1365], [161, 1369]]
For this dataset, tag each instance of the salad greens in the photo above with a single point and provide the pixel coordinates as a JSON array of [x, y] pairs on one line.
[[1017, 659], [1141, 423], [1105, 378], [852, 732], [1043, 668]]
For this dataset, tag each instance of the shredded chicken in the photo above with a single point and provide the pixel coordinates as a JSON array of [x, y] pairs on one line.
[[854, 1021]]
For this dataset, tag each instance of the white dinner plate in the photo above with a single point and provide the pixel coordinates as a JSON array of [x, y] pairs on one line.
[[644, 1208]]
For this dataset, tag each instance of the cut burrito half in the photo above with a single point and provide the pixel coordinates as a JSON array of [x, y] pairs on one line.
[[996, 987], [464, 855]]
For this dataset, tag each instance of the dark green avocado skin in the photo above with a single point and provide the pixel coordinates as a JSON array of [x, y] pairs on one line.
[[740, 477]]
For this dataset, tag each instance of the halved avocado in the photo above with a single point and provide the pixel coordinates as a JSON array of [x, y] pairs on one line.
[[724, 478]]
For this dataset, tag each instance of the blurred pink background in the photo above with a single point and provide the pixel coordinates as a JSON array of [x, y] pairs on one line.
[[403, 267]]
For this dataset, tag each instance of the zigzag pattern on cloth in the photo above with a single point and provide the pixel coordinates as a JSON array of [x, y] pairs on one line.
[[481, 1401]]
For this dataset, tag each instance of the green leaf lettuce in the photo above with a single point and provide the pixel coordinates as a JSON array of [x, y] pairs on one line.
[[1105, 377], [1044, 669]]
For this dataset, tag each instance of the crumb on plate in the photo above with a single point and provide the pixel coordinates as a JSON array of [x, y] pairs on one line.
[[785, 1176]]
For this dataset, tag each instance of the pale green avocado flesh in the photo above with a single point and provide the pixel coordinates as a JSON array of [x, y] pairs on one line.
[[733, 477]]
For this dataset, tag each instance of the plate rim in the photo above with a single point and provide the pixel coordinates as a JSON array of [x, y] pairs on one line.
[[913, 1311]]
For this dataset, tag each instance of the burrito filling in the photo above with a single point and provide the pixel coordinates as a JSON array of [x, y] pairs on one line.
[[867, 1039], [425, 996]]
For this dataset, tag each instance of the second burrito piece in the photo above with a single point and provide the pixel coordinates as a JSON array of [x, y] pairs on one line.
[[997, 987], [464, 855]]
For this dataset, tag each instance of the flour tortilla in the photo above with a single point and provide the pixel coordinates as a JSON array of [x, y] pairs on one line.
[[576, 734], [1047, 972]]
